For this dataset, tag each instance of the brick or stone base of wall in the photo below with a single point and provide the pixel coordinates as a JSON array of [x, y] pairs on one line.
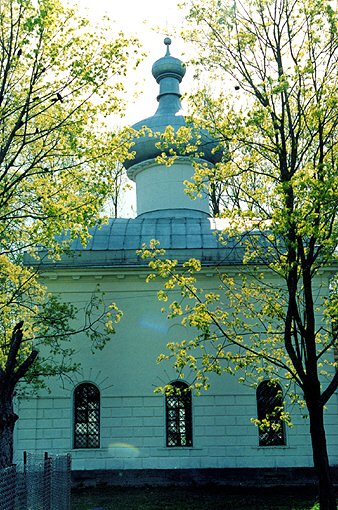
[[232, 478]]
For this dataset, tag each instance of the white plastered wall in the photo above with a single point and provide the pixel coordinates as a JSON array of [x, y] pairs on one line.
[[132, 416]]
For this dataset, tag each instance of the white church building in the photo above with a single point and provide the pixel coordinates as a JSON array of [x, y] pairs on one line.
[[117, 429]]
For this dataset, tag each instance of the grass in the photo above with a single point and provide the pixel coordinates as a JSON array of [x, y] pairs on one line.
[[176, 498]]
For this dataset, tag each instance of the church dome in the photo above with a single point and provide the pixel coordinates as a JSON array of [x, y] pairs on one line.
[[168, 71]]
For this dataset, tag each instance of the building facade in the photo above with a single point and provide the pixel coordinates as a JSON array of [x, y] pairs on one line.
[[108, 416]]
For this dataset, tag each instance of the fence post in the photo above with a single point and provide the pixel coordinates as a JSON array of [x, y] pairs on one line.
[[69, 481], [23, 496], [47, 482]]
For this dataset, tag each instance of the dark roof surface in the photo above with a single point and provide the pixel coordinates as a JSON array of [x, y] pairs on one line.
[[114, 244]]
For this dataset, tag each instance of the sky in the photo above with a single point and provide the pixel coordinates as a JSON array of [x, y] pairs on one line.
[[150, 21]]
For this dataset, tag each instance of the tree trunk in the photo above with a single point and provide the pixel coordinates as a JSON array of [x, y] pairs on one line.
[[13, 371], [7, 423], [327, 498]]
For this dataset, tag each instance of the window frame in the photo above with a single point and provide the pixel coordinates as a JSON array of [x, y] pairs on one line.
[[178, 424], [82, 439], [266, 410]]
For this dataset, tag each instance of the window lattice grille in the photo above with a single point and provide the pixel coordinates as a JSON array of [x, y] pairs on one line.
[[179, 415], [270, 407], [86, 416]]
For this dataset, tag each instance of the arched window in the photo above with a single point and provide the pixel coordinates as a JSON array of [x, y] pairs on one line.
[[269, 408], [179, 415], [86, 416]]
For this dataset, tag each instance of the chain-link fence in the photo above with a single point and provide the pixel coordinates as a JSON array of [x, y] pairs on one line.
[[39, 483]]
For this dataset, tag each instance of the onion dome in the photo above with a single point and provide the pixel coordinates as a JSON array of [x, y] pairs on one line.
[[168, 67], [168, 71]]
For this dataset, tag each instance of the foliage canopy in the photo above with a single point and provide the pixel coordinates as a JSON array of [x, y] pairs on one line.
[[61, 85]]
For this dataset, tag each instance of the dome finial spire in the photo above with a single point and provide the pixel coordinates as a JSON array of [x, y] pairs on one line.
[[167, 42]]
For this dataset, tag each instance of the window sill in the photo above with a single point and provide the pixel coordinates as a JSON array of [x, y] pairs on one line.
[[87, 449], [178, 448], [279, 447]]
